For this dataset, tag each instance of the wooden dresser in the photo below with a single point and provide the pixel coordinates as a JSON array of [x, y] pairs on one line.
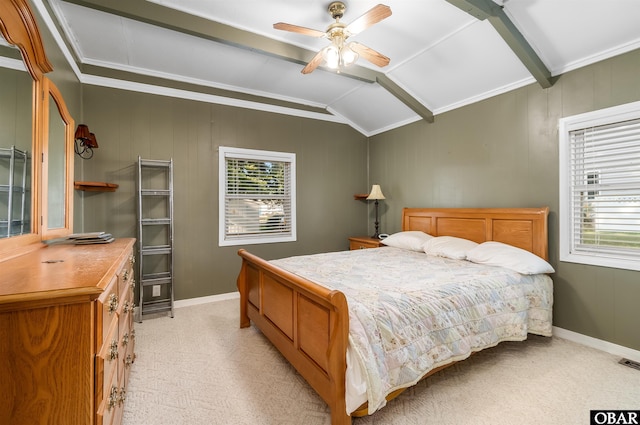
[[66, 334]]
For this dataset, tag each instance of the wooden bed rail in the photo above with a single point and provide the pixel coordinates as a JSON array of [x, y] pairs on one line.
[[306, 322]]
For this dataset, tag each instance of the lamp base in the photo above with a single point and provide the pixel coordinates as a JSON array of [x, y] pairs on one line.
[[377, 233]]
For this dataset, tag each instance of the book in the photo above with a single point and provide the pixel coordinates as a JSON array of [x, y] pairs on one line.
[[90, 235], [93, 241]]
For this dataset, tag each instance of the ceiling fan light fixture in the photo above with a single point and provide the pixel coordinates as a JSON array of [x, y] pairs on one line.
[[338, 54], [331, 56], [348, 56]]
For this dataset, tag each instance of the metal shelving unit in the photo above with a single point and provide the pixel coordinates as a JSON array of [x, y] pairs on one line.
[[155, 236], [14, 193]]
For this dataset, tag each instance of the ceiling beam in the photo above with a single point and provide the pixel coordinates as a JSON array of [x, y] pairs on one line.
[[487, 9], [110, 73], [165, 17], [405, 97]]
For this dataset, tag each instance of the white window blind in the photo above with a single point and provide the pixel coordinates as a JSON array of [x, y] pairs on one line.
[[257, 202], [602, 197]]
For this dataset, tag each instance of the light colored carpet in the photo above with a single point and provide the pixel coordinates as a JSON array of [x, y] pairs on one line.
[[201, 368]]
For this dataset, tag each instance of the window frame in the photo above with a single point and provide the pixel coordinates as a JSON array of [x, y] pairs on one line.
[[225, 152], [629, 259]]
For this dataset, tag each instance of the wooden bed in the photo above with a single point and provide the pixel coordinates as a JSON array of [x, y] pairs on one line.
[[309, 324]]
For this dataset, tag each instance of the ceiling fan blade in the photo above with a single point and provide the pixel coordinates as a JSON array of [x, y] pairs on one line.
[[369, 54], [313, 63], [373, 16], [301, 30]]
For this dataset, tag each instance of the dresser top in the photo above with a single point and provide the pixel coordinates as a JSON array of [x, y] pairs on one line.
[[58, 272]]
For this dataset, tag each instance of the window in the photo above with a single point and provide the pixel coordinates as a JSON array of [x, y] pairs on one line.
[[257, 196], [600, 187]]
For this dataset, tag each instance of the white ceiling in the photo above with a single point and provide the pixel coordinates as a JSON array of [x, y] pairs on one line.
[[441, 56]]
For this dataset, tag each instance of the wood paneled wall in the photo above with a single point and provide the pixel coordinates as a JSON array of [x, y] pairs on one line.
[[331, 167]]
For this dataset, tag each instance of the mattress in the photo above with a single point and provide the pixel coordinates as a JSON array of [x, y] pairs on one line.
[[410, 312]]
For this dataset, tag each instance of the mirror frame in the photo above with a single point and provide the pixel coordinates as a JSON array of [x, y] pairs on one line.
[[18, 26]]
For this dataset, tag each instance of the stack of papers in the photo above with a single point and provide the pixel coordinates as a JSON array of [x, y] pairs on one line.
[[83, 239], [89, 238]]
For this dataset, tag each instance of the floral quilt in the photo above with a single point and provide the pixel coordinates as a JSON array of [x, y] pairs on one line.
[[410, 313]]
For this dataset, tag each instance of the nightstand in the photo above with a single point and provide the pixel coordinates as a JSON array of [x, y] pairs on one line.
[[364, 242]]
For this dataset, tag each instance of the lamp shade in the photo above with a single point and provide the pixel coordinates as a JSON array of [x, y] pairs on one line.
[[82, 132], [376, 192], [91, 141]]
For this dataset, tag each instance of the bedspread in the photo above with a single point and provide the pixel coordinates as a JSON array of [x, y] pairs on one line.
[[410, 313]]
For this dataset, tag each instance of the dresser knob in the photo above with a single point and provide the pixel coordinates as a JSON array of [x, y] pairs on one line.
[[113, 303], [123, 396], [128, 361], [113, 397], [113, 350]]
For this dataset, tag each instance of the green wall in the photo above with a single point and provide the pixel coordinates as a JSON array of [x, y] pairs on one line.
[[331, 167], [503, 152]]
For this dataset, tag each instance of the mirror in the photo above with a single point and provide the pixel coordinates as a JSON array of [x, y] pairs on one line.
[[16, 152], [57, 164], [56, 192]]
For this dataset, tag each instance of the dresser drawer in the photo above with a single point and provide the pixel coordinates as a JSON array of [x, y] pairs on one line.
[[126, 304], [125, 312], [108, 407], [107, 308], [127, 335], [107, 361], [128, 359], [126, 277]]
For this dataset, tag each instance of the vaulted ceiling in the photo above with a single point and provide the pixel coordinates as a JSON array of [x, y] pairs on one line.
[[444, 53]]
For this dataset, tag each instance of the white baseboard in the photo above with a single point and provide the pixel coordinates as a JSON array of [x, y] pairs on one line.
[[194, 301], [598, 344], [208, 299]]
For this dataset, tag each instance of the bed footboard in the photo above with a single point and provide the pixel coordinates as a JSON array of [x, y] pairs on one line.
[[306, 322]]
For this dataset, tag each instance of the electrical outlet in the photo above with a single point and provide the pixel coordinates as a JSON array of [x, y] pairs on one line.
[[156, 290]]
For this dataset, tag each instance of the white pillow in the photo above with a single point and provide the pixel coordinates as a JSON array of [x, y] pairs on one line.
[[412, 239], [449, 247], [517, 259]]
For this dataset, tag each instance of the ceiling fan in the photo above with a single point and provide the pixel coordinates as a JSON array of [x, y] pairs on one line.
[[339, 53]]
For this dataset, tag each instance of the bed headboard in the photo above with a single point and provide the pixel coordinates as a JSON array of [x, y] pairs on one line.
[[525, 228]]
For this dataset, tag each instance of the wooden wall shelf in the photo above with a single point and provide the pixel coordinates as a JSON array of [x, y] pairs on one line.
[[96, 186], [360, 196]]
